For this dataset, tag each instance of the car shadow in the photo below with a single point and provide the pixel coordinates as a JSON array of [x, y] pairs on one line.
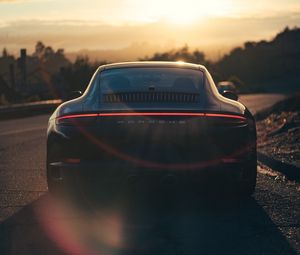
[[185, 225]]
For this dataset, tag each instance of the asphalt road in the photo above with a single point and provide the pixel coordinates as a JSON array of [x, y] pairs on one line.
[[32, 223]]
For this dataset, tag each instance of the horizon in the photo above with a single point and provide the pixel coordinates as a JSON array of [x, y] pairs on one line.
[[138, 28]]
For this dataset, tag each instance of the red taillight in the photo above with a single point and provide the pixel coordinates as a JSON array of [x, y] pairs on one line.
[[81, 118], [166, 114], [77, 119], [229, 116], [75, 116]]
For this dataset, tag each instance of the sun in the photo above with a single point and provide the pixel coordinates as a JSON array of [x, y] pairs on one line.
[[178, 12], [181, 12]]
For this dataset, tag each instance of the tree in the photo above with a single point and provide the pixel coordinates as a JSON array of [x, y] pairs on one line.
[[266, 65], [39, 49], [60, 51], [77, 75], [48, 53], [4, 53], [181, 54]]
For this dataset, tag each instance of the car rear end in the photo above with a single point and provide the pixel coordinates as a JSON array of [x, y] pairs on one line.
[[150, 127]]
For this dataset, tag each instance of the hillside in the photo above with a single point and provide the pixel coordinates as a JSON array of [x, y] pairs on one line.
[[266, 66]]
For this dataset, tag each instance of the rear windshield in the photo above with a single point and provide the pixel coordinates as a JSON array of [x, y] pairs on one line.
[[151, 79], [151, 86]]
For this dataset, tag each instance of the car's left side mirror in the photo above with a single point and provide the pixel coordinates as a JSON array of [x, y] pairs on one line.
[[230, 95], [74, 94]]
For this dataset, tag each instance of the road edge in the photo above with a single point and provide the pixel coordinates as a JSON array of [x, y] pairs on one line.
[[292, 172]]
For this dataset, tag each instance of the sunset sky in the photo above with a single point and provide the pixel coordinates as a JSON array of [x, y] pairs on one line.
[[137, 25]]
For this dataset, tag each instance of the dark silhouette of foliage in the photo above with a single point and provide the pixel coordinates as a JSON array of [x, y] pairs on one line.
[[4, 53], [182, 54], [77, 75], [263, 66], [39, 49], [266, 66]]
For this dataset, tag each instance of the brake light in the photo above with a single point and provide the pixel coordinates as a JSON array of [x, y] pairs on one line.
[[74, 118], [77, 119], [151, 114], [170, 114], [220, 115]]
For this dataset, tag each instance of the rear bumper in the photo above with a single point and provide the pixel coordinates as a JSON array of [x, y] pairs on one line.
[[110, 176], [164, 139]]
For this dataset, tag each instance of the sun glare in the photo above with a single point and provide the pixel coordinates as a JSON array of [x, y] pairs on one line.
[[183, 12]]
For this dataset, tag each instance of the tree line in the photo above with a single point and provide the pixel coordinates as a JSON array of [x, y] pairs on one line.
[[263, 66]]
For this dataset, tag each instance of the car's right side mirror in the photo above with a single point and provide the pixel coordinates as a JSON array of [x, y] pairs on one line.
[[230, 95]]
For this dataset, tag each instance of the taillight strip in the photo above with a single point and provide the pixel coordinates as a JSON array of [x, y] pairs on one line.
[[118, 114], [73, 116], [225, 116], [151, 114]]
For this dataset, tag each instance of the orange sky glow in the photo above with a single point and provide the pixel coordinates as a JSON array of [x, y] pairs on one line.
[[142, 27]]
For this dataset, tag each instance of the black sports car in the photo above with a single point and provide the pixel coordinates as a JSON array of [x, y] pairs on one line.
[[151, 123]]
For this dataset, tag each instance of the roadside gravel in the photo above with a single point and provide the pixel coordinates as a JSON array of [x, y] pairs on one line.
[[278, 130]]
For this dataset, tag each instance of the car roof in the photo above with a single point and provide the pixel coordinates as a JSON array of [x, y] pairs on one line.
[[173, 64]]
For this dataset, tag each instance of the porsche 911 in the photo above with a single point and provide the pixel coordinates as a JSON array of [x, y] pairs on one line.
[[150, 124]]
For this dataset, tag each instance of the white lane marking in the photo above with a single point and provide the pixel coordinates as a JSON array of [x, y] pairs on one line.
[[14, 132]]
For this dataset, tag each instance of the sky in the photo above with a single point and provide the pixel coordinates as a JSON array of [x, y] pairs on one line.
[[117, 26]]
